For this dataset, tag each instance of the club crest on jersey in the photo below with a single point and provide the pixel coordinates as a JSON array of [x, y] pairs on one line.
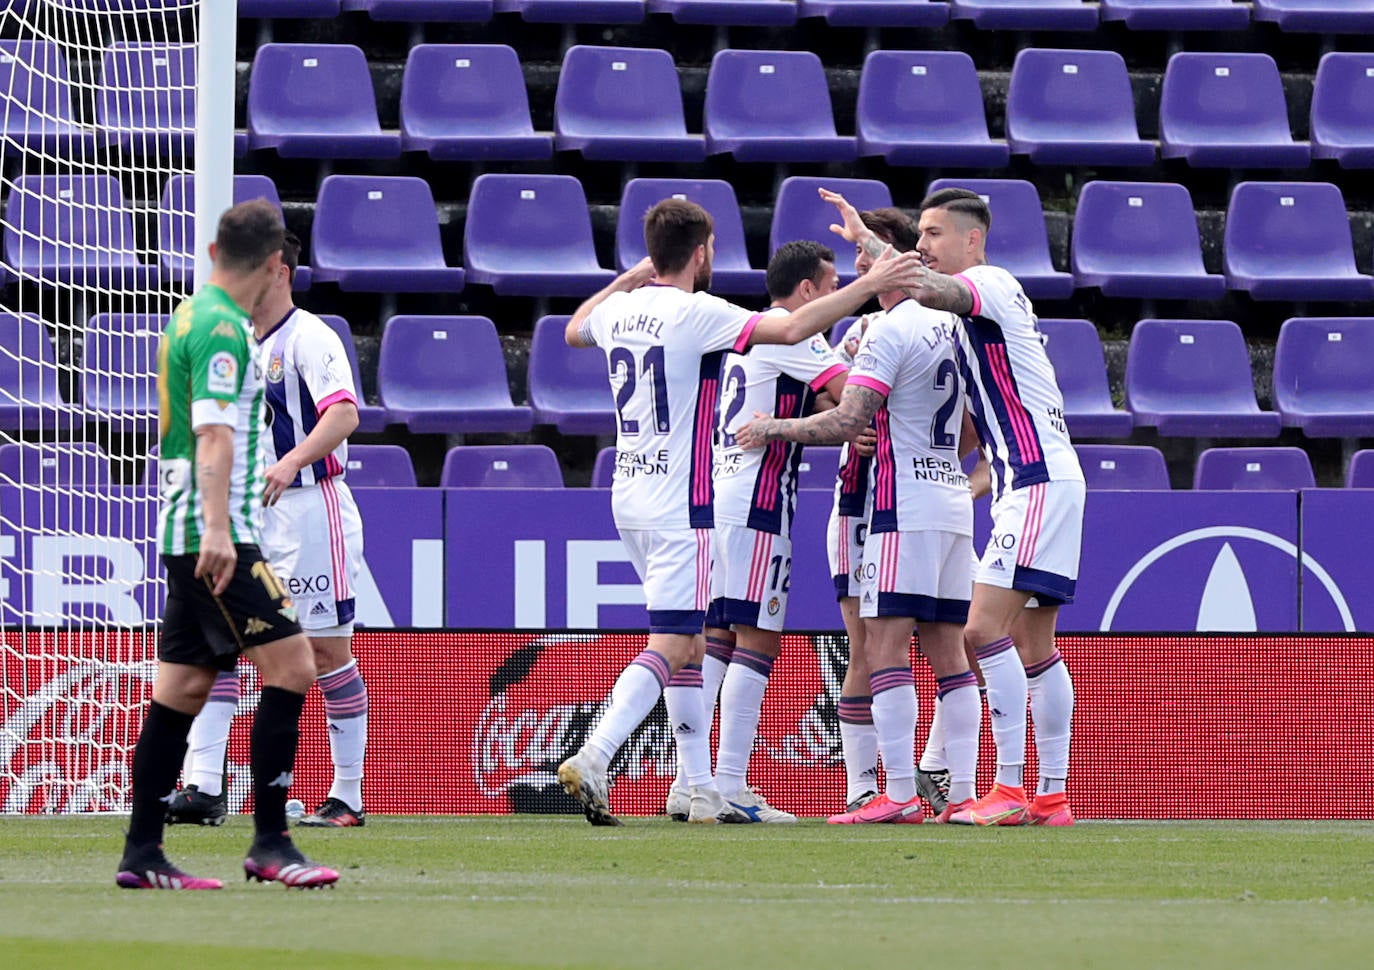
[[276, 370]]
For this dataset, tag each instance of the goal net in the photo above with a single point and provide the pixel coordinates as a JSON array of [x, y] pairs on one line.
[[97, 190]]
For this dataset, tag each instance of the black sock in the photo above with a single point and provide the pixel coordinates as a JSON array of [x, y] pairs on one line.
[[158, 756], [272, 750]]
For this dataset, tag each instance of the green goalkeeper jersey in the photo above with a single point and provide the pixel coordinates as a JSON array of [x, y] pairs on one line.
[[207, 374]]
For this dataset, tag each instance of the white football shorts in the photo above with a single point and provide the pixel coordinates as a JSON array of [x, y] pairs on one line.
[[313, 537], [844, 549], [1037, 532], [926, 575], [750, 577], [675, 567]]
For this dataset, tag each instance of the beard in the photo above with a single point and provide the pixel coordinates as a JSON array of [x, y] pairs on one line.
[[702, 281]]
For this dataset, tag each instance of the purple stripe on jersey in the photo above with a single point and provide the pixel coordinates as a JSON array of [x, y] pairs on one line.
[[994, 378], [765, 513], [854, 485], [345, 694], [989, 650], [656, 664], [688, 676], [759, 663], [856, 709], [720, 649], [225, 689], [1020, 417], [283, 430], [1035, 670], [700, 489], [889, 678], [884, 517], [943, 685]]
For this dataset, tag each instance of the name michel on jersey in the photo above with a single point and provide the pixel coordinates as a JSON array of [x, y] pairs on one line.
[[628, 464], [941, 471], [643, 323]]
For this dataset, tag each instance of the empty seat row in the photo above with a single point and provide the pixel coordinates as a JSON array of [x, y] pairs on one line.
[[1140, 467], [1323, 16]]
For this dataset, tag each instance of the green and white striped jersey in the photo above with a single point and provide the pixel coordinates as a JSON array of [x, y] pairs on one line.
[[207, 374]]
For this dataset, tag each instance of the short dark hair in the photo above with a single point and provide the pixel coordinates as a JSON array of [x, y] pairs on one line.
[[893, 226], [795, 261], [291, 252], [962, 201], [673, 230], [247, 236]]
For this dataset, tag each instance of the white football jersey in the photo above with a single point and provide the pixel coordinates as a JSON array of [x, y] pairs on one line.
[[758, 488], [663, 351], [305, 370], [907, 355], [1015, 398]]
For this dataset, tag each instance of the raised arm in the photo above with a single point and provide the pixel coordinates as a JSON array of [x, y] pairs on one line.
[[632, 279], [857, 406]]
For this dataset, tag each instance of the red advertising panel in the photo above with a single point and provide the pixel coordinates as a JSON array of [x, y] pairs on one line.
[[1166, 727]]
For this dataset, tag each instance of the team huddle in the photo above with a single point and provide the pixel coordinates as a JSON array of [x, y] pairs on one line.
[[715, 403]]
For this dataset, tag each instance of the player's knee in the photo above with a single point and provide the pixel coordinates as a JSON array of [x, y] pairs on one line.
[[288, 664]]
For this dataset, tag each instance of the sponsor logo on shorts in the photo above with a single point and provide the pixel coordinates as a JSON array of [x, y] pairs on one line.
[[997, 564], [319, 609], [299, 586], [222, 373]]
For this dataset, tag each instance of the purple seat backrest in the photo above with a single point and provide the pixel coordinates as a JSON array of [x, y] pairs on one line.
[[1123, 466], [312, 87], [530, 222], [714, 195], [376, 221], [1075, 350], [1080, 93], [553, 363], [118, 371], [501, 466], [79, 463], [1018, 237], [1290, 227], [757, 93], [603, 471], [819, 466], [1325, 358], [27, 361], [933, 93], [1194, 361], [288, 8], [458, 356], [68, 220], [1361, 472], [1240, 92], [35, 75], [452, 88], [1343, 97], [146, 86], [1137, 225], [621, 89], [371, 466], [176, 222], [1257, 469], [800, 213]]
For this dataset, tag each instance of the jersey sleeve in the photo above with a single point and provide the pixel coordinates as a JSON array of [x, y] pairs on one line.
[[996, 293], [594, 329], [880, 353], [218, 361], [812, 362], [721, 324], [323, 365]]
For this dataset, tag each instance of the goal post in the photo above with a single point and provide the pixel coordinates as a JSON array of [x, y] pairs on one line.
[[116, 160]]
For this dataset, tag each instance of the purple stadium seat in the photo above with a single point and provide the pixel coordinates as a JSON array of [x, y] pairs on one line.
[[531, 235], [1140, 239], [1017, 241], [176, 226], [371, 418], [147, 97], [380, 234], [501, 466], [1227, 110], [1192, 379], [1128, 468], [730, 270], [316, 101], [73, 229], [1268, 469], [819, 467], [1026, 14], [288, 8], [1075, 350], [1324, 376], [1343, 109], [127, 323], [1291, 241], [603, 471], [800, 213], [1074, 107], [772, 106], [468, 102], [1361, 471], [379, 466], [1177, 14], [622, 104], [36, 101], [925, 108], [568, 387], [118, 380], [575, 11], [1318, 16], [72, 464], [29, 395], [728, 12], [877, 13], [447, 375], [421, 11]]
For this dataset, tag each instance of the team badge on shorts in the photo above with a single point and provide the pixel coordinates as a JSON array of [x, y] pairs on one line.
[[773, 606]]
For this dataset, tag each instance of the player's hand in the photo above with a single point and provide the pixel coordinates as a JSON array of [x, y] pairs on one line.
[[896, 271], [217, 559], [277, 480], [866, 444], [853, 229], [638, 274], [757, 433]]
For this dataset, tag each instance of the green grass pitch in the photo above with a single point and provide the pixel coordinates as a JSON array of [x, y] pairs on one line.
[[534, 892]]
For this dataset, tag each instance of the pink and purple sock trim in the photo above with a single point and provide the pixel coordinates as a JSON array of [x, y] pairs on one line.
[[1035, 670], [943, 685], [856, 709], [759, 663], [890, 678], [345, 694], [225, 689], [656, 664], [720, 649], [989, 650], [688, 676]]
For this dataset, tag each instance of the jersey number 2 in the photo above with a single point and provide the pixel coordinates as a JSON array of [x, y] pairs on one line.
[[946, 376], [652, 367]]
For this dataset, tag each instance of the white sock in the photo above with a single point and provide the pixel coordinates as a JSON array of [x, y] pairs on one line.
[[687, 719], [712, 673], [1006, 682], [634, 695], [209, 738], [859, 743], [345, 708], [963, 720], [1051, 699], [741, 699], [894, 717], [934, 758]]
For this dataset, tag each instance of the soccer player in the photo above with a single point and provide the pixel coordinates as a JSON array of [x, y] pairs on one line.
[[1030, 566], [916, 568], [223, 600], [659, 340], [313, 536], [755, 495]]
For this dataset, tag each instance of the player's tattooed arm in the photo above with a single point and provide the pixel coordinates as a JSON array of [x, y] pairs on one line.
[[836, 426], [941, 292]]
